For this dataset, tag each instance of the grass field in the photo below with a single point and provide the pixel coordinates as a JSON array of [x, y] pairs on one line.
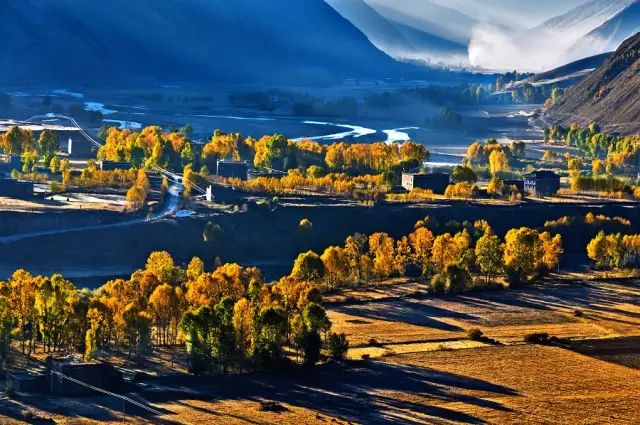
[[422, 367]]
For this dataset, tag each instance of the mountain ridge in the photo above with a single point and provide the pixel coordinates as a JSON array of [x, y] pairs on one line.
[[609, 96], [195, 40]]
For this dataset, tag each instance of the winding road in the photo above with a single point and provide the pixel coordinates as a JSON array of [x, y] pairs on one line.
[[171, 204]]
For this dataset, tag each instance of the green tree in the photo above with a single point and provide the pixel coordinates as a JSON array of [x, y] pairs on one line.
[[48, 144], [187, 131], [489, 254], [463, 174], [7, 322], [308, 266], [54, 165]]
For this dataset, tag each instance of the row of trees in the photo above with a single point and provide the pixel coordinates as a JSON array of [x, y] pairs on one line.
[[228, 318], [613, 251], [152, 146], [20, 141], [590, 219], [364, 186], [616, 151], [448, 259], [277, 152], [494, 156]]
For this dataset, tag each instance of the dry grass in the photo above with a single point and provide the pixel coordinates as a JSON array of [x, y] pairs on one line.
[[609, 309], [547, 385], [422, 367]]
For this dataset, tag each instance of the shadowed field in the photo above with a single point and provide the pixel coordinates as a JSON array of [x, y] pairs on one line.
[[422, 367]]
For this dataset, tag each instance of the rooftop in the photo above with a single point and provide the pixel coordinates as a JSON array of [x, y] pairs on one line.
[[542, 174]]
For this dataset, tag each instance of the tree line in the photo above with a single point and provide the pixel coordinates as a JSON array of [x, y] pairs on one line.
[[446, 260], [228, 319]]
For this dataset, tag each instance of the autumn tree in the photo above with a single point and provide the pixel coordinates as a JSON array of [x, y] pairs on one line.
[[528, 252], [498, 162], [382, 250], [22, 300], [336, 266], [552, 250], [449, 249], [54, 307], [165, 310], [7, 323], [421, 242], [489, 254], [308, 266], [495, 187]]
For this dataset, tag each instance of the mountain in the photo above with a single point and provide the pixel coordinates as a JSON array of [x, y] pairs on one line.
[[586, 16], [613, 32], [116, 41], [569, 74], [399, 40], [610, 95], [510, 13], [423, 15]]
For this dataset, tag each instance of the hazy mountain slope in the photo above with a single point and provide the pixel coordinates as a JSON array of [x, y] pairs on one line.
[[614, 31], [610, 95], [578, 69], [510, 13], [399, 40], [588, 15], [564, 76], [382, 33], [166, 40], [424, 15]]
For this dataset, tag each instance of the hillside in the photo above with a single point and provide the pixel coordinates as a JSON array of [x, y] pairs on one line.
[[569, 74], [613, 32], [396, 39], [441, 21], [588, 15], [162, 40], [610, 95]]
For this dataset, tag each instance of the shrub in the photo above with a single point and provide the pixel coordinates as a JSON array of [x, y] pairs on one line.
[[305, 224], [537, 338], [9, 391], [438, 283], [211, 232], [457, 278], [475, 334], [337, 345]]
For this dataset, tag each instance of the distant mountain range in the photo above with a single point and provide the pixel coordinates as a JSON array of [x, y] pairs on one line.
[[458, 33], [588, 16], [285, 41], [401, 37], [282, 41], [609, 96], [608, 36]]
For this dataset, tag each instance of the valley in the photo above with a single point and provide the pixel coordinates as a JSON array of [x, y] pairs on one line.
[[320, 211]]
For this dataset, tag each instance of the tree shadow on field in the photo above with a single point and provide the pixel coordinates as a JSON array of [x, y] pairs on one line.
[[372, 392], [406, 311]]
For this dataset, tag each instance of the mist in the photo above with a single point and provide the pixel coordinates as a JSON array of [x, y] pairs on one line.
[[499, 49]]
